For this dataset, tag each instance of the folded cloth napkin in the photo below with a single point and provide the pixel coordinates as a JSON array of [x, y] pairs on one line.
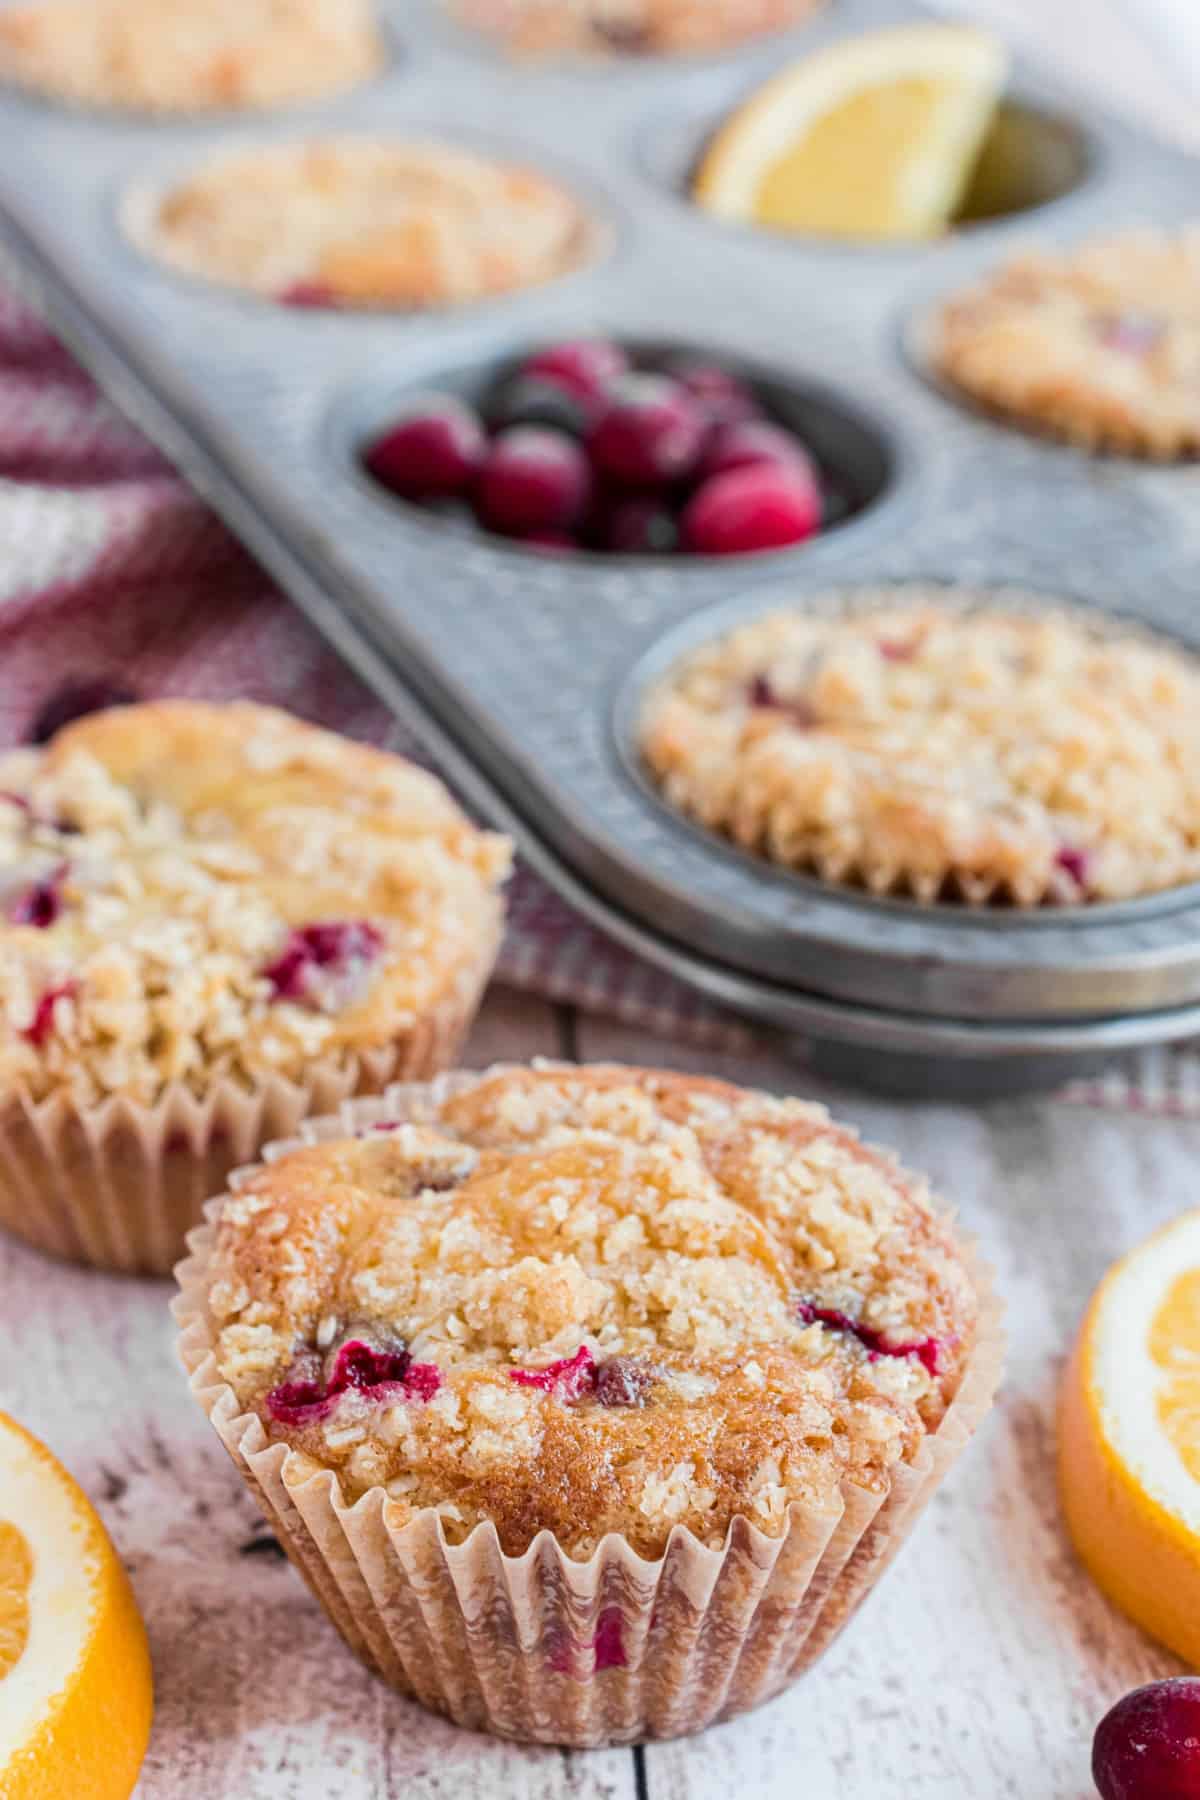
[[112, 570]]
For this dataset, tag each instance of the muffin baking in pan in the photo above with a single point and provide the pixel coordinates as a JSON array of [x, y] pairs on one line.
[[189, 56], [942, 858]]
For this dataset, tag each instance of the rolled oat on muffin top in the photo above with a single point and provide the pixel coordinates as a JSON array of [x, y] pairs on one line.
[[196, 893], [1099, 344], [364, 222], [188, 55], [942, 746], [591, 1300]]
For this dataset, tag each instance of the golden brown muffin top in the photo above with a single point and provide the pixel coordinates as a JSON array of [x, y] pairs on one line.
[[942, 746], [191, 891], [189, 55], [368, 222], [589, 1301]]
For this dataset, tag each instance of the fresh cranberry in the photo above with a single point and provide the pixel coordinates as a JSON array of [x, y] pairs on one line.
[[897, 650], [742, 445], [876, 1343], [584, 367], [568, 1379], [1148, 1746], [719, 395], [606, 1648], [620, 1381], [533, 400], [311, 1391], [430, 454], [1074, 862], [1133, 333], [762, 507], [533, 480], [75, 700], [41, 1025], [648, 433], [323, 964], [40, 904], [310, 294], [762, 695], [640, 526]]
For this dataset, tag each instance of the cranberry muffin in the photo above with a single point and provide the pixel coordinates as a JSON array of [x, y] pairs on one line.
[[1099, 345], [213, 917], [188, 56], [360, 222], [629, 27], [942, 745], [609, 1318]]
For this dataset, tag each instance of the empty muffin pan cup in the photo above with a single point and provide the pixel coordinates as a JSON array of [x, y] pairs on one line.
[[524, 671]]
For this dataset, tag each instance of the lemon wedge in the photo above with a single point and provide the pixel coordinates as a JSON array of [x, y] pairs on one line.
[[875, 136], [1129, 1437], [75, 1685]]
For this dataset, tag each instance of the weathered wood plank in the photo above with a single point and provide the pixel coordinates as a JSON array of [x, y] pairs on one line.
[[985, 1660], [256, 1697]]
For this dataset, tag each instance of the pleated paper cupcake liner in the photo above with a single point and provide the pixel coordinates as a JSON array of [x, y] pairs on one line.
[[543, 1648], [119, 1184]]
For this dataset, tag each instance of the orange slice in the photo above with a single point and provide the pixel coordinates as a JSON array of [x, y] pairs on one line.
[[875, 136], [1129, 1437], [75, 1685]]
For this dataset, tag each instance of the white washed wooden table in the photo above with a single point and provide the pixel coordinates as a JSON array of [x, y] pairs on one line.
[[980, 1667]]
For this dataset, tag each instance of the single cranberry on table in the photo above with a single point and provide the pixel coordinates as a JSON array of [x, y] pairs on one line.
[[533, 480], [739, 445], [763, 507], [584, 367], [648, 434], [1148, 1746], [431, 454]]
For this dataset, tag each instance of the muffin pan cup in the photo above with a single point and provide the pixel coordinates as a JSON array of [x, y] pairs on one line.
[[522, 668], [541, 1647]]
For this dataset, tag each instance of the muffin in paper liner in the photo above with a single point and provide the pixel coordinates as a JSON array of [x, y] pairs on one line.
[[217, 920], [119, 1185], [543, 1647]]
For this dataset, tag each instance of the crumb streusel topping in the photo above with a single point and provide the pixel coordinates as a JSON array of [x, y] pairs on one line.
[[593, 1300], [951, 754], [365, 222], [629, 27], [188, 55], [1100, 344], [193, 891]]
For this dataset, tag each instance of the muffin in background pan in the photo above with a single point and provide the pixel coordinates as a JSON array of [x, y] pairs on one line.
[[364, 222], [216, 920], [1099, 345], [188, 56], [589, 1401], [942, 744], [628, 27]]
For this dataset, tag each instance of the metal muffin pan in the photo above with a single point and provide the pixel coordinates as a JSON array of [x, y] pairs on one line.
[[526, 668]]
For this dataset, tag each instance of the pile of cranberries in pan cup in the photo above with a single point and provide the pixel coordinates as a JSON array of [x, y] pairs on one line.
[[583, 446], [214, 921], [590, 1402]]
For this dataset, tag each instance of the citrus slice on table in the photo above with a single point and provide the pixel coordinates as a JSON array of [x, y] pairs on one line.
[[75, 1686], [875, 136], [1129, 1437]]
